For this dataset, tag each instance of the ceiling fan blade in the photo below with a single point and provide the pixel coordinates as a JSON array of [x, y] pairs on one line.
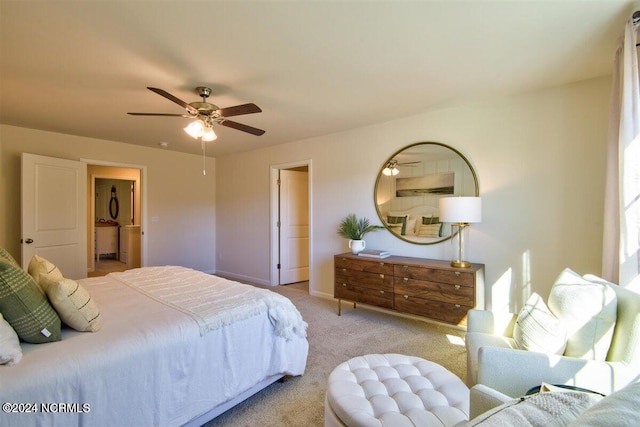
[[239, 110], [170, 97], [240, 126], [160, 114]]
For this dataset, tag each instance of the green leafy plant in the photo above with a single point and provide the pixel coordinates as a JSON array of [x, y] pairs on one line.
[[355, 229]]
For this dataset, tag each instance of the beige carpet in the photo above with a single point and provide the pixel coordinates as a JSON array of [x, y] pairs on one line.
[[334, 339]]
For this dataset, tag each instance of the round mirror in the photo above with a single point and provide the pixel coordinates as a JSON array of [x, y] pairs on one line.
[[411, 182]]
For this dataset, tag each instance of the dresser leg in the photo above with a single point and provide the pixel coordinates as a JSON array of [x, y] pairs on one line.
[[339, 307]]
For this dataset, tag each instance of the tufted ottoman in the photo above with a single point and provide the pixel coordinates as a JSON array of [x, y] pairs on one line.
[[394, 390]]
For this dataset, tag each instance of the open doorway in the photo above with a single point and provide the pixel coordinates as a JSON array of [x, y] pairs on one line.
[[291, 214], [115, 220]]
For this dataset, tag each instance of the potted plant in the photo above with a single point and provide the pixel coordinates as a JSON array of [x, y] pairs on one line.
[[355, 229]]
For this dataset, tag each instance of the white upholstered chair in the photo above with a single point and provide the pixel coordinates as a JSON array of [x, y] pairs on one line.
[[494, 360]]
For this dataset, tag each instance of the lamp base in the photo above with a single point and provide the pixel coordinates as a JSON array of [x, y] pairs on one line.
[[460, 264]]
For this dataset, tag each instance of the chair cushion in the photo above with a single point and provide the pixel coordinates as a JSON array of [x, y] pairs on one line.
[[588, 310], [537, 329]]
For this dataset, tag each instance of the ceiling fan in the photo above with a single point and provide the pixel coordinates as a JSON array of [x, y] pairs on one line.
[[206, 114], [391, 168]]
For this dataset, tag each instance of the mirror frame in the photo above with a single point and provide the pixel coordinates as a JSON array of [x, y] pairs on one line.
[[375, 190]]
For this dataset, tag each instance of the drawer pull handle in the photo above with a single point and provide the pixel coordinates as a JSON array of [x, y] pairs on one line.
[[457, 273], [382, 264], [344, 270], [344, 284], [382, 292], [456, 287], [405, 296], [457, 306], [406, 279], [405, 267], [344, 259], [382, 276]]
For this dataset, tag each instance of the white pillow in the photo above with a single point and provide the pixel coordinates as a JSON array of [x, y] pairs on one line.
[[429, 230], [589, 312], [542, 409], [619, 408], [10, 350], [410, 230], [39, 266], [73, 303], [537, 329]]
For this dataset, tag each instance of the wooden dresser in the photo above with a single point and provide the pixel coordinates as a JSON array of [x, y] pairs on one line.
[[424, 287]]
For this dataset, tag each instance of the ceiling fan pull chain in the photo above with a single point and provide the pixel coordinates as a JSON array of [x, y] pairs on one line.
[[204, 158]]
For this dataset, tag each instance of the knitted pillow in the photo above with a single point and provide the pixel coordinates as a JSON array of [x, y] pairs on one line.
[[4, 254], [25, 308], [537, 329], [73, 303]]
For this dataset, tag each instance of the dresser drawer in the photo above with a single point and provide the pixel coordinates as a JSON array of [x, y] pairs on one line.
[[380, 298], [455, 314], [371, 266], [445, 292], [376, 281], [435, 275]]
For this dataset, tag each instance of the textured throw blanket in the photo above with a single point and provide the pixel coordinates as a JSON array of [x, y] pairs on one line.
[[212, 301]]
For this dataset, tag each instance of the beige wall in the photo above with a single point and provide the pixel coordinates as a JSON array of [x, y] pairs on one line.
[[539, 158], [179, 227], [540, 161]]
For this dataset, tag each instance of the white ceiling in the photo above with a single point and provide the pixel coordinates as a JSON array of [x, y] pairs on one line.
[[77, 67]]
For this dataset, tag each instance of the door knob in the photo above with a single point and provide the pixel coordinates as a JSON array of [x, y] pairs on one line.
[[28, 241]]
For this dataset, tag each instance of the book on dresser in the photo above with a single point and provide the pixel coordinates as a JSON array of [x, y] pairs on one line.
[[374, 253]]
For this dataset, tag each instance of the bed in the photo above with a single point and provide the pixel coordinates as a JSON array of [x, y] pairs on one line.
[[164, 356], [419, 224]]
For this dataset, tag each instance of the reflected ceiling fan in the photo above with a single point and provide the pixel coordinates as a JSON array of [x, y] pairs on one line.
[[206, 114], [391, 168]]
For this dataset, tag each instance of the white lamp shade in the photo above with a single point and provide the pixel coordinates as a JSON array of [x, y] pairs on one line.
[[209, 135], [195, 129], [460, 209]]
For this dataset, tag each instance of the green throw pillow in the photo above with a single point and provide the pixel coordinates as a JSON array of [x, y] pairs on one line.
[[398, 220], [25, 308], [4, 254]]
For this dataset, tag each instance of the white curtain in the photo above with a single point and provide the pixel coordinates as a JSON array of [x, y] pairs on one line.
[[621, 248]]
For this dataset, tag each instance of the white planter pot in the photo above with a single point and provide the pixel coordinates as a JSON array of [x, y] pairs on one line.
[[356, 246]]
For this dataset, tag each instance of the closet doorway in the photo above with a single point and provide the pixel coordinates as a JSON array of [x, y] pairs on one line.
[[291, 219]]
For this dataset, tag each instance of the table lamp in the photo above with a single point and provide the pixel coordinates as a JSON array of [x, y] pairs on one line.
[[460, 212]]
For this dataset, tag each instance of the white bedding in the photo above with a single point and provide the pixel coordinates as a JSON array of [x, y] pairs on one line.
[[188, 291], [148, 365]]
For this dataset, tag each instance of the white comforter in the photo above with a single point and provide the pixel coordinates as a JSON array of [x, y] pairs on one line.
[[149, 365], [189, 291]]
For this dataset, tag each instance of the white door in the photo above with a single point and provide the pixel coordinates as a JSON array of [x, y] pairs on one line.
[[54, 219], [294, 227]]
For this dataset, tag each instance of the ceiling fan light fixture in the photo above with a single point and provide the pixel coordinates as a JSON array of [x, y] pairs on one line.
[[391, 169], [209, 135], [195, 129]]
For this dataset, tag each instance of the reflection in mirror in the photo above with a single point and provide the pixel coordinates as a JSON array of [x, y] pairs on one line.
[[411, 182]]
